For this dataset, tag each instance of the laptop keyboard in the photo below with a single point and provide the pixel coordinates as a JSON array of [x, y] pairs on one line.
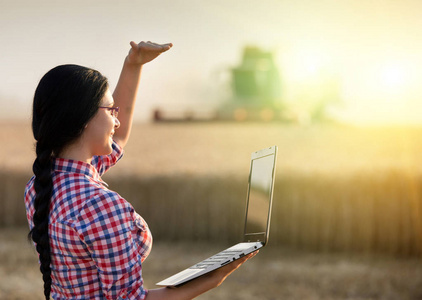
[[221, 258]]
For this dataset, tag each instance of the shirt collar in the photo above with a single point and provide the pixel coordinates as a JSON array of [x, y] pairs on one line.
[[79, 167]]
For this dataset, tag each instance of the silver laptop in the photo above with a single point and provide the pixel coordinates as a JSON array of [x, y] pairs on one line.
[[257, 220]]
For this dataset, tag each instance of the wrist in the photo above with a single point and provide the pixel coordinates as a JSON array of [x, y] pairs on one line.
[[131, 63]]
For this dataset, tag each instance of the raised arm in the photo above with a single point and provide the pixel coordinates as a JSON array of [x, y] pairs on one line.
[[127, 87]]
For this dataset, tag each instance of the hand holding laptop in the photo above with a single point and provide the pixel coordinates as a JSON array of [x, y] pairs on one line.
[[199, 285], [222, 273]]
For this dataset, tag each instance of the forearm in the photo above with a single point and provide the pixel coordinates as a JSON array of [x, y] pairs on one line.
[[200, 285], [187, 291], [128, 84], [125, 97]]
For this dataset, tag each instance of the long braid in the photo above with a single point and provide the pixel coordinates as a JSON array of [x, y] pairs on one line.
[[43, 185], [65, 100]]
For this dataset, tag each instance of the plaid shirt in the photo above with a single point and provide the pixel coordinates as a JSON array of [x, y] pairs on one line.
[[97, 240]]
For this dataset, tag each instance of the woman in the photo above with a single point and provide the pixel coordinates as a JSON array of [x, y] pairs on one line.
[[91, 243]]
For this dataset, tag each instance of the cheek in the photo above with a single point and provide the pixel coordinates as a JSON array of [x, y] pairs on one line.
[[104, 125], [99, 130]]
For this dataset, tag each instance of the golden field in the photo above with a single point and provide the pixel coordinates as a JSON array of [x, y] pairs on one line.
[[347, 213], [224, 148], [337, 188]]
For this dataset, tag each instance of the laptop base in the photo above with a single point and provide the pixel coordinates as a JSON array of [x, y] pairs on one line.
[[210, 264]]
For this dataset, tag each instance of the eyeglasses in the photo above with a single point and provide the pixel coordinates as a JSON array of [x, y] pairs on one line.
[[114, 110]]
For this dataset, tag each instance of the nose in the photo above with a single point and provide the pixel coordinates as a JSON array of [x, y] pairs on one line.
[[116, 123]]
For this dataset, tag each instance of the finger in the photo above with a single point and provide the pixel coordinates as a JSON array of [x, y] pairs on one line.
[[167, 46], [153, 44], [238, 263], [134, 45], [150, 45], [241, 261], [164, 46], [247, 257]]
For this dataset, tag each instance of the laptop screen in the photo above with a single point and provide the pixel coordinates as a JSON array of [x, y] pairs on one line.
[[260, 194]]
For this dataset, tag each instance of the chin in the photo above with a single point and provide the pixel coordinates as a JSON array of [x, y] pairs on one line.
[[106, 150], [109, 150]]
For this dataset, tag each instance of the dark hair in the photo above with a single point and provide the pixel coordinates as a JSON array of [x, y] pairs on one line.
[[66, 99]]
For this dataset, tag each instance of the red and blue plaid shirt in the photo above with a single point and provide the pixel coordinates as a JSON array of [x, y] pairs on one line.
[[97, 240]]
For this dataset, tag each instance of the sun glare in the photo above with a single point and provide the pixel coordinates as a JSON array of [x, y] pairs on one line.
[[393, 77]]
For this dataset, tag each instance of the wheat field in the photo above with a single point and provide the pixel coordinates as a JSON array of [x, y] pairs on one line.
[[337, 187]]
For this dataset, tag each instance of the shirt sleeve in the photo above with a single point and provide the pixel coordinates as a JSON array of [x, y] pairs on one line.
[[106, 228], [105, 162]]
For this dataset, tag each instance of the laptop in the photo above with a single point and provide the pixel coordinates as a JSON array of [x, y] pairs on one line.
[[257, 220]]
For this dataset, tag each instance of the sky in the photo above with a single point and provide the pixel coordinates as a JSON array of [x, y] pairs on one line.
[[372, 49]]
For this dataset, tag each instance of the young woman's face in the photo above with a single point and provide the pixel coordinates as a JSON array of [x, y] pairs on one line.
[[100, 130]]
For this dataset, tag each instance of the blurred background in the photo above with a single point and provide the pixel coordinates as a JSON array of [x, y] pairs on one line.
[[336, 85]]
